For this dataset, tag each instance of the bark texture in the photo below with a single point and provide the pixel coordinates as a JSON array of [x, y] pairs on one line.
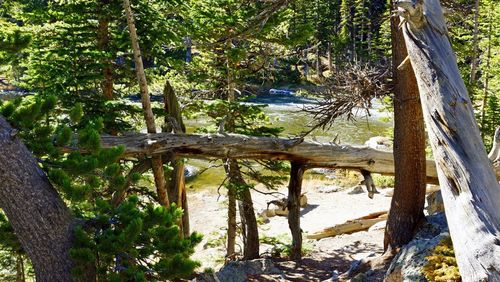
[[294, 192], [156, 161], [409, 149], [40, 218], [223, 146], [470, 190], [176, 184]]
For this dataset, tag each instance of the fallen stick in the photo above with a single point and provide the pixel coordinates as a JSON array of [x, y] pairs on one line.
[[350, 226]]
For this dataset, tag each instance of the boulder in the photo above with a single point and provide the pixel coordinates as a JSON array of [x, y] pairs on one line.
[[356, 190], [408, 264], [435, 203], [240, 271], [388, 192], [380, 143], [190, 172], [378, 226], [328, 189]]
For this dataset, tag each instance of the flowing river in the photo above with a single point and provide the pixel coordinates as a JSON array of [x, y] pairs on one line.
[[285, 111]]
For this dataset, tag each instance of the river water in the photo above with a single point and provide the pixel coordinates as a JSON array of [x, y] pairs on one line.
[[285, 111]]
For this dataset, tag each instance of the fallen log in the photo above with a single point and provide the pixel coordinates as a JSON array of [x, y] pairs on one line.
[[350, 226], [234, 146]]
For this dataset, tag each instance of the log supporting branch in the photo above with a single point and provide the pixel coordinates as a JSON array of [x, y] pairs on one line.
[[294, 192]]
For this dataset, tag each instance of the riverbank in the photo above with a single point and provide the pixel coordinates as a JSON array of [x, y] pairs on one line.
[[322, 257]]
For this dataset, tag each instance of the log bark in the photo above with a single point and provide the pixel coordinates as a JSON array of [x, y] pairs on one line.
[[156, 161], [469, 187], [409, 149], [350, 226], [41, 220], [293, 205], [234, 146]]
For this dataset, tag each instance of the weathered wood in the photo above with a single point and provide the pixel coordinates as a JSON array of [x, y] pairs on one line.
[[235, 146], [294, 192], [469, 187], [350, 226], [42, 222], [156, 161]]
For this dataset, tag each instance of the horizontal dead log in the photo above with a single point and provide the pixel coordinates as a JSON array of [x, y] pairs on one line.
[[233, 146], [350, 226]]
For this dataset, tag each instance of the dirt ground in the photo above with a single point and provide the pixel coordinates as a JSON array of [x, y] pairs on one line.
[[323, 257]]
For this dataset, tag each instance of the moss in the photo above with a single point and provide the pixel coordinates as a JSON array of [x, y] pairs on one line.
[[442, 264]]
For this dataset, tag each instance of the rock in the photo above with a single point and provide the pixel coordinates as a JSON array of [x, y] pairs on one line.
[[378, 226], [388, 192], [328, 189], [190, 172], [240, 271], [380, 143], [407, 265], [356, 190], [435, 203]]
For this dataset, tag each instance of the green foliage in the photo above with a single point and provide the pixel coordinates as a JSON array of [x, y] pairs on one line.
[[135, 242], [442, 264]]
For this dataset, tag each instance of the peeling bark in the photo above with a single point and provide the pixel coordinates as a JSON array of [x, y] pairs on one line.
[[470, 190]]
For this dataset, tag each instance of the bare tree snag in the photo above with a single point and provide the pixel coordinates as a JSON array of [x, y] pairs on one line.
[[469, 187], [156, 161], [408, 201], [41, 220], [294, 192], [494, 154], [176, 184]]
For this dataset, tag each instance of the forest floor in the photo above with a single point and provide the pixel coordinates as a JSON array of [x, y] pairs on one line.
[[322, 257]]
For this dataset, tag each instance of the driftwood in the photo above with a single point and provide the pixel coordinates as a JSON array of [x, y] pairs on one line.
[[312, 154], [470, 190], [350, 226]]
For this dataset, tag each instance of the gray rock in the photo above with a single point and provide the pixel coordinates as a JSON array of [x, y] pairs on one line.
[[435, 203], [356, 190], [407, 265], [238, 271], [379, 143], [190, 172], [328, 189], [378, 226]]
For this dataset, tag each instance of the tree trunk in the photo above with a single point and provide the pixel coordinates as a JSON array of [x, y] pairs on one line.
[[251, 250], [475, 46], [41, 220], [176, 185], [103, 45], [486, 74], [231, 224], [409, 150], [330, 62], [20, 274], [156, 161], [470, 190], [294, 191]]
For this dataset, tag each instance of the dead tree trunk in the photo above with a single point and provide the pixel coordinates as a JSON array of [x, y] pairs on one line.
[[176, 186], [40, 218], [409, 150], [469, 187], [294, 191], [156, 161]]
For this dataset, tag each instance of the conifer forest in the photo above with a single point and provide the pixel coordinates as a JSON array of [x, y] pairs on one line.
[[239, 140]]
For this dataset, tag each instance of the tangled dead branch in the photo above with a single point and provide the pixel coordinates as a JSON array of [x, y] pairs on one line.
[[349, 93]]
